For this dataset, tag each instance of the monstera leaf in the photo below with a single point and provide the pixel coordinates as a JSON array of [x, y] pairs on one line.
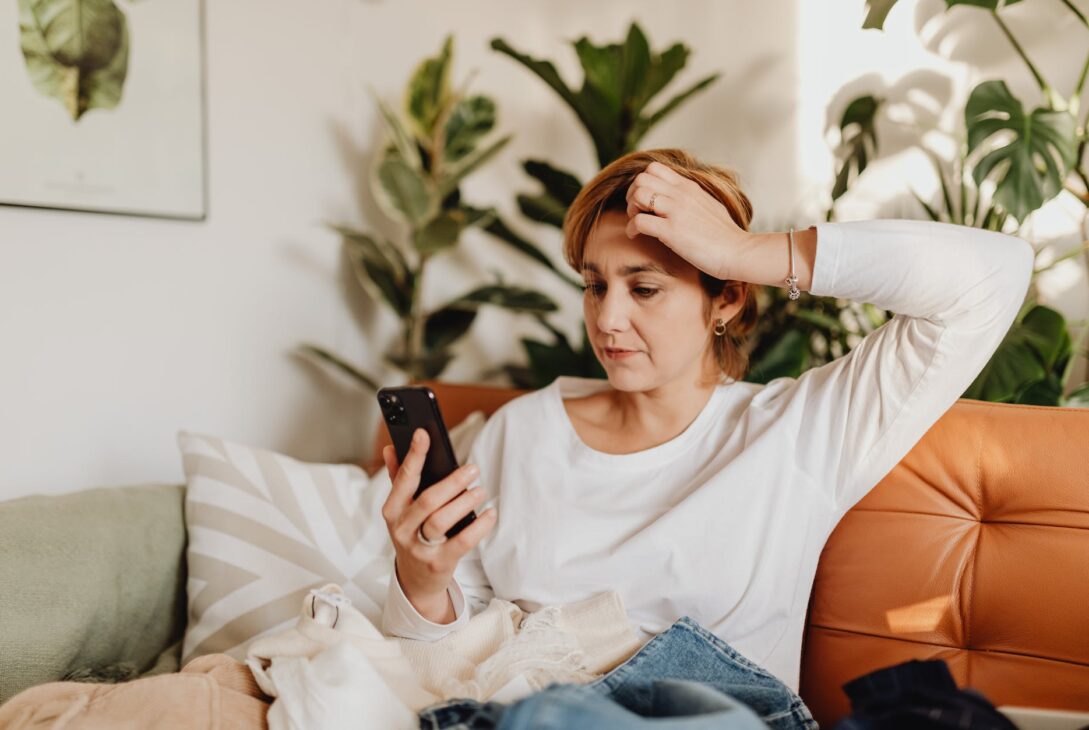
[[76, 51], [1030, 168]]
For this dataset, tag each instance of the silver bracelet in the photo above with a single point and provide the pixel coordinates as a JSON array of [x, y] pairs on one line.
[[792, 280]]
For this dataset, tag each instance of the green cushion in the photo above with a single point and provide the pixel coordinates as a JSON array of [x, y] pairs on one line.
[[92, 584]]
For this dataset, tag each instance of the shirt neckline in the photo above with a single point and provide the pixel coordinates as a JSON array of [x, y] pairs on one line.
[[566, 386]]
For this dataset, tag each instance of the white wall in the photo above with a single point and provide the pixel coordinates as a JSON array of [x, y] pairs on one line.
[[117, 331]]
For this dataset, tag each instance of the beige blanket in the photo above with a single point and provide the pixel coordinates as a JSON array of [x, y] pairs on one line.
[[212, 692]]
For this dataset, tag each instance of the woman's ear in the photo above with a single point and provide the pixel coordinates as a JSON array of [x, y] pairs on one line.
[[729, 302]]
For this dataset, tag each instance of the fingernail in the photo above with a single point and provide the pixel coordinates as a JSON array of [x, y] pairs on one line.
[[417, 436], [490, 504], [472, 470]]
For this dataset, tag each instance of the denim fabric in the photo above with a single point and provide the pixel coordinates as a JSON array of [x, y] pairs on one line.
[[679, 705], [710, 678]]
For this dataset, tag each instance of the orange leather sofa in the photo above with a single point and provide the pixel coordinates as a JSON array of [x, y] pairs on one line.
[[973, 549]]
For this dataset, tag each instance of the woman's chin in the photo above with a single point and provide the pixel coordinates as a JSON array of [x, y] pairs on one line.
[[623, 378]]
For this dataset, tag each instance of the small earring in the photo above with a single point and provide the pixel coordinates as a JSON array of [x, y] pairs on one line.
[[720, 327]]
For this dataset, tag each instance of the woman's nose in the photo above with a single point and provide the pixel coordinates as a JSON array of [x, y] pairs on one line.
[[612, 313]]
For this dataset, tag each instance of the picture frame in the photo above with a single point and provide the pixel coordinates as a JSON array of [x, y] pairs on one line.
[[104, 107]]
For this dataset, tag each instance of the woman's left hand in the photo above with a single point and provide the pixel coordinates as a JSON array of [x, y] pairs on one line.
[[686, 218]]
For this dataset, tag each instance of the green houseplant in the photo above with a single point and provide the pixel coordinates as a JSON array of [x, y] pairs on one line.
[[1030, 158], [436, 140], [620, 82]]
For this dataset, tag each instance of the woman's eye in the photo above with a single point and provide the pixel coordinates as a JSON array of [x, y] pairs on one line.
[[645, 292], [595, 288]]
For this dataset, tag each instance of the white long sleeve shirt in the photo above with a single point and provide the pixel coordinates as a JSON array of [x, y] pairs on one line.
[[726, 521]]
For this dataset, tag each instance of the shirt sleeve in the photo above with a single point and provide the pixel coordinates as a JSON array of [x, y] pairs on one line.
[[954, 292], [469, 588]]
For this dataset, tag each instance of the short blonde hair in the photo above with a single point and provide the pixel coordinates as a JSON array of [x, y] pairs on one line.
[[607, 192]]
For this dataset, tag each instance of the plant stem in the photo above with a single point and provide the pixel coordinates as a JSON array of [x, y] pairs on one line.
[[1076, 12], [1081, 80], [1021, 52], [414, 336]]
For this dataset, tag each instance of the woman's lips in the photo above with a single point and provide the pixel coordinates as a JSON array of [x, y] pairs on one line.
[[619, 354]]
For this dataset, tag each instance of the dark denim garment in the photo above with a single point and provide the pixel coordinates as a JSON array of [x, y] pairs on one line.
[[917, 694], [685, 677]]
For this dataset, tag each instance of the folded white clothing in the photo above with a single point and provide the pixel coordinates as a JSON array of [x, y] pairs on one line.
[[337, 689], [502, 653], [328, 618]]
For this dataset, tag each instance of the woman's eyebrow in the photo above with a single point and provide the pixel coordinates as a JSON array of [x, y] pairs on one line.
[[646, 266]]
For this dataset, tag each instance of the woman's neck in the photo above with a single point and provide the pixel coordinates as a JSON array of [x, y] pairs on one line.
[[658, 414]]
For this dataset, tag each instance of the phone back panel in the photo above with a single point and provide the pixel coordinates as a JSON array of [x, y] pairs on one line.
[[421, 410]]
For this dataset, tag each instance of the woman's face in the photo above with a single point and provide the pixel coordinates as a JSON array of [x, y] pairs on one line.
[[641, 296]]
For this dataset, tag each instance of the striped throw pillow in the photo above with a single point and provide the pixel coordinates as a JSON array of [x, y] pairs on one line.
[[265, 528]]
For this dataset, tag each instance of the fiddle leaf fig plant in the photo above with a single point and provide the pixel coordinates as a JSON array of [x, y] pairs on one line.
[[616, 105], [436, 140]]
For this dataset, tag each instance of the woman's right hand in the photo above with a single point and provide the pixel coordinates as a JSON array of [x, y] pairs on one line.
[[425, 571]]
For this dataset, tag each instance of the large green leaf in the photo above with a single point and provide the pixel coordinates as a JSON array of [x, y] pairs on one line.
[[788, 357], [498, 228], [76, 51], [380, 269], [470, 119], [561, 185], [439, 233], [542, 209], [428, 90], [551, 206], [445, 326], [1030, 169], [514, 298], [545, 71], [859, 133], [403, 191], [619, 80], [1025, 356]]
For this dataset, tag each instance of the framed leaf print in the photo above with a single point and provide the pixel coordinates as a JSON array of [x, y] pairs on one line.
[[103, 106]]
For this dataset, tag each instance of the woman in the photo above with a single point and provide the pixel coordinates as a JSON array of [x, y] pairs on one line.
[[687, 490]]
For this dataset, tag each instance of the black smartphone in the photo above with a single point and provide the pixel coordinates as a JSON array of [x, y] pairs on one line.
[[406, 408]]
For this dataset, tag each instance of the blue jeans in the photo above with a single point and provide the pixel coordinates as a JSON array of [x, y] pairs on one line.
[[685, 677]]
